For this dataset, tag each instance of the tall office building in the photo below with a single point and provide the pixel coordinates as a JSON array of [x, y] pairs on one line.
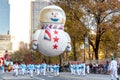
[[4, 16], [36, 7], [24, 19], [5, 43]]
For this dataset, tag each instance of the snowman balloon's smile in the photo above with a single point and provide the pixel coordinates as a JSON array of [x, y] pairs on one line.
[[50, 39]]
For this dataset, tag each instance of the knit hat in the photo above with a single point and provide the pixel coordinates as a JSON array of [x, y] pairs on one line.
[[112, 58]]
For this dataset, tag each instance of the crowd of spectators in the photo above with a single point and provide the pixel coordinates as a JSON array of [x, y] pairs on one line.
[[94, 68], [101, 68]]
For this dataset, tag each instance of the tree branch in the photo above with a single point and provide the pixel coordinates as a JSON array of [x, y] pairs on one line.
[[114, 11]]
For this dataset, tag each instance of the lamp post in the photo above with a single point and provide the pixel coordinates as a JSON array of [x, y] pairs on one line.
[[86, 45], [32, 55], [84, 53]]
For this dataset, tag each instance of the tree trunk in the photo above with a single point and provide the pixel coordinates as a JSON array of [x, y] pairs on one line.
[[96, 54], [106, 51], [97, 46], [60, 61], [49, 60], [74, 49]]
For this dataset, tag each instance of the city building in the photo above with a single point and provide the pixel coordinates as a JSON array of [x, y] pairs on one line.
[[36, 6], [4, 16], [5, 44]]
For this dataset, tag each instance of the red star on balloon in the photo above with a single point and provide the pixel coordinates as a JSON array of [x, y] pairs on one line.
[[56, 39], [55, 32], [55, 46]]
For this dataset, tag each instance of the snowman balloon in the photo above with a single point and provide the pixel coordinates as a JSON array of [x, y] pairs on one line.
[[51, 39]]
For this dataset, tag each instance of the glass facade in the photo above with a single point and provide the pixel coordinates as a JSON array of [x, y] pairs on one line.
[[4, 16]]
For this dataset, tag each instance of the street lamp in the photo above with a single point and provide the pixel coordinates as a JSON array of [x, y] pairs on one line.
[[86, 45], [32, 55], [84, 53]]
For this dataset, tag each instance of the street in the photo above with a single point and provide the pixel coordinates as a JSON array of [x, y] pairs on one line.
[[50, 76]]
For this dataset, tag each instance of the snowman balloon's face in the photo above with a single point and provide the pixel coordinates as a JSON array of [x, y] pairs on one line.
[[52, 14]]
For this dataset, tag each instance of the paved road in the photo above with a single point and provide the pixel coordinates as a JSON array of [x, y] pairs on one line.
[[87, 77], [50, 76]]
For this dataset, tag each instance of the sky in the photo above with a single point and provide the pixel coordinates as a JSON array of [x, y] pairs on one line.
[[4, 16]]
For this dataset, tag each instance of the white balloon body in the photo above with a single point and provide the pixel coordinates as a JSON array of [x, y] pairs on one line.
[[55, 46]]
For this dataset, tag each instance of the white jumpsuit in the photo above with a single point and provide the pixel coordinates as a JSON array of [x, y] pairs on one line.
[[16, 67], [113, 69]]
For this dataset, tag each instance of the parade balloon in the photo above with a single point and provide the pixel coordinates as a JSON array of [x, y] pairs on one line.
[[51, 39]]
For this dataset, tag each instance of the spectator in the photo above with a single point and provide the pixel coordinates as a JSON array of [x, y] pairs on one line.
[[91, 67], [119, 68], [106, 67], [94, 68]]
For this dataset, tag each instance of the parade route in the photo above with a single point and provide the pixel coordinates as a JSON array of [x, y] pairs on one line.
[[50, 76], [86, 77]]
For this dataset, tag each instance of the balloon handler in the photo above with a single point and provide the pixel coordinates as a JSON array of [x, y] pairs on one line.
[[113, 69]]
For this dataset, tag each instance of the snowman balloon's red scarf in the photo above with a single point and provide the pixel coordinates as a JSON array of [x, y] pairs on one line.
[[52, 26], [47, 27]]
